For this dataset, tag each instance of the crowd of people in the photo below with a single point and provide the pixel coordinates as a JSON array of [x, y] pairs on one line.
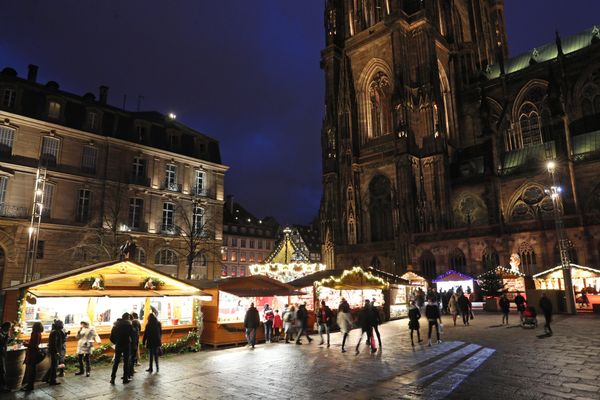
[[125, 337]]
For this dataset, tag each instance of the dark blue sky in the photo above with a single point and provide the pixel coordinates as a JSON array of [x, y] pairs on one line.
[[244, 72]]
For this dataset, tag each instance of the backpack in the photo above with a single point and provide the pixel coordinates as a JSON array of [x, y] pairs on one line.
[[287, 317]]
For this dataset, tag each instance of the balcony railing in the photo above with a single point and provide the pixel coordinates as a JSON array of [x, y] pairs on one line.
[[141, 180], [10, 211], [171, 186]]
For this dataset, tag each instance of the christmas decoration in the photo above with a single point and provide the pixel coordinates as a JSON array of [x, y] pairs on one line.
[[355, 278], [490, 283]]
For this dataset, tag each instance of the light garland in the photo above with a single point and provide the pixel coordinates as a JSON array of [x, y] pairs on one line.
[[502, 271], [286, 272], [355, 275], [452, 272]]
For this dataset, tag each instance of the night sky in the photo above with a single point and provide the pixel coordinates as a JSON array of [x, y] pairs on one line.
[[243, 72]]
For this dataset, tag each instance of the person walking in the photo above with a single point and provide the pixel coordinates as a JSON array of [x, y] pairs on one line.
[[268, 322], [56, 341], [121, 336], [546, 306], [135, 343], [344, 321], [432, 312], [32, 356], [152, 340], [288, 323], [505, 307], [302, 317], [453, 307], [277, 326], [413, 322], [324, 319], [375, 321], [86, 336], [365, 319], [464, 306], [520, 303], [251, 323], [4, 338]]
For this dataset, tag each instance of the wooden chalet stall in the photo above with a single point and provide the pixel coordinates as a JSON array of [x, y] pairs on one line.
[[586, 282], [454, 280], [224, 315], [513, 280], [395, 304]]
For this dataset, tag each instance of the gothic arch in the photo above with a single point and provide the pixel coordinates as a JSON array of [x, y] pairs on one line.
[[523, 92], [375, 87], [457, 261], [590, 78], [527, 201], [528, 258], [427, 264], [530, 115], [489, 258]]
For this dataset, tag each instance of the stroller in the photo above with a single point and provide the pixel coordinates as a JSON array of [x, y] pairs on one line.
[[529, 318]]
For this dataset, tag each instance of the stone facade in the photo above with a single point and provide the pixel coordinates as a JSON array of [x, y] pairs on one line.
[[105, 167], [435, 142]]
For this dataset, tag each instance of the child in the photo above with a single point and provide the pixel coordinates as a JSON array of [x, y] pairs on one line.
[[277, 325], [413, 324]]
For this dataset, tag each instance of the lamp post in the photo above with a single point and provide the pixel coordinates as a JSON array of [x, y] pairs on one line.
[[555, 191]]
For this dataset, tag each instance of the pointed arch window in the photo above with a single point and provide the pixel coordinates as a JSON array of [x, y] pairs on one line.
[[590, 105], [490, 259], [458, 261], [530, 125], [528, 258], [380, 105]]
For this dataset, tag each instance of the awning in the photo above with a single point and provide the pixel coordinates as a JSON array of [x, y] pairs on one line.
[[255, 285]]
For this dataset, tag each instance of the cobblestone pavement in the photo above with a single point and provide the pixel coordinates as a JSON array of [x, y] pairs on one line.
[[483, 361]]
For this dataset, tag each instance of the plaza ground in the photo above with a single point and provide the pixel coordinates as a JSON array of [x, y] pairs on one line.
[[483, 361]]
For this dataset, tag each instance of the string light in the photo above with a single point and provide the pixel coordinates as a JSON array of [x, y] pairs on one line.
[[353, 277]]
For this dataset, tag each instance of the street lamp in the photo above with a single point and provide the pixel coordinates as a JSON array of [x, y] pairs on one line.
[[555, 192]]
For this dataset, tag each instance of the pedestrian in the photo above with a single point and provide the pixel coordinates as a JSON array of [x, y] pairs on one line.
[[288, 322], [365, 319], [464, 306], [432, 312], [324, 319], [86, 336], [152, 340], [268, 322], [453, 307], [420, 298], [32, 356], [121, 336], [520, 303], [277, 326], [344, 321], [445, 297], [413, 322], [376, 321], [251, 323], [546, 306], [135, 343], [56, 341], [505, 307], [4, 338], [302, 317]]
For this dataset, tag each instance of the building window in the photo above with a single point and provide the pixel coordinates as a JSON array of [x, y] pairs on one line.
[[251, 243], [199, 183], [243, 256], [88, 163], [83, 205], [529, 121], [166, 258], [9, 97], [141, 133], [259, 244], [380, 105], [171, 177], [168, 219], [234, 242], [7, 136], [224, 270], [490, 259], [267, 245], [243, 243], [3, 185], [48, 197], [49, 154], [458, 261], [140, 256], [259, 258], [241, 271], [427, 262], [92, 120], [54, 109], [136, 210], [528, 259], [40, 249], [198, 220], [224, 255], [233, 256], [200, 267], [251, 257]]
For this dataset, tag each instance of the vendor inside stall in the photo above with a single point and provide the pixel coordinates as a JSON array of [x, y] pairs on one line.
[[455, 281], [586, 283]]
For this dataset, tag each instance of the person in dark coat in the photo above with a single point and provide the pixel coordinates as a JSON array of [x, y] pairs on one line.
[[365, 320], [505, 307], [324, 319], [135, 343], [56, 342], [546, 306], [464, 306], [251, 323], [302, 317], [32, 356], [4, 338], [152, 340], [376, 321], [413, 322], [121, 336], [520, 303], [432, 312]]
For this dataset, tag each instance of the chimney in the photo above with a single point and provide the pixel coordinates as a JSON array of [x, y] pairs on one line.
[[32, 71], [103, 94]]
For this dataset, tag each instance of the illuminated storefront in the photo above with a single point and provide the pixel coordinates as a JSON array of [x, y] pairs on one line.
[[454, 280]]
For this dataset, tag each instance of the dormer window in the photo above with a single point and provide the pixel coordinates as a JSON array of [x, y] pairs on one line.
[[9, 97], [54, 108], [92, 120], [141, 133]]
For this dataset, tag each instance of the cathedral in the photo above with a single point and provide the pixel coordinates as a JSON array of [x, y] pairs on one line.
[[435, 143]]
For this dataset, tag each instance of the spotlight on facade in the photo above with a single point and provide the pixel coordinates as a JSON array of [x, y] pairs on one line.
[[551, 166], [172, 115]]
